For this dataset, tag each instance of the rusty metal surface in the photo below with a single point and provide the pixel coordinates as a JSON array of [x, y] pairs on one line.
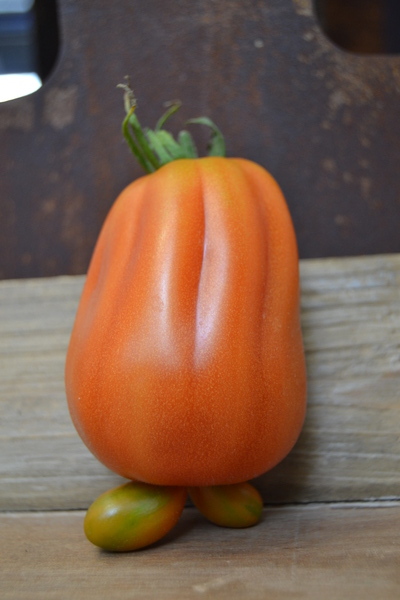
[[323, 121]]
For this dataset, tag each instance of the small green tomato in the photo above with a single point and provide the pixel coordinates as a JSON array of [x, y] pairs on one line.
[[133, 515], [237, 505]]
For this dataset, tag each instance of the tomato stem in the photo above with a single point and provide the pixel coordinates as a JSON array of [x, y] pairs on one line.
[[156, 147], [136, 151], [173, 108]]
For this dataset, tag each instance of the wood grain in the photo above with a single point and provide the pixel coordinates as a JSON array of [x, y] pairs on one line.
[[318, 543], [350, 446], [311, 552], [323, 121]]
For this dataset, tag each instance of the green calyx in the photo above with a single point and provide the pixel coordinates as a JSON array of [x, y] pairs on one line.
[[156, 147]]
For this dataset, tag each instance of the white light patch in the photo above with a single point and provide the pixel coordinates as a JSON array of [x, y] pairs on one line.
[[15, 6], [17, 85]]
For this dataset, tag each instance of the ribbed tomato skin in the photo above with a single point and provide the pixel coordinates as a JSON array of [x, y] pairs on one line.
[[186, 365]]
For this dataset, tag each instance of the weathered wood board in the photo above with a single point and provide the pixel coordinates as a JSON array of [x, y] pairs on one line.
[[349, 449], [295, 553], [323, 121]]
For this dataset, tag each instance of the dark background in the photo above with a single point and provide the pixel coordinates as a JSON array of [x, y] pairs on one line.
[[309, 90]]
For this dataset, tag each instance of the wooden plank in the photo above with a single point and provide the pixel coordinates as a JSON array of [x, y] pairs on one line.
[[323, 121], [309, 552], [350, 445]]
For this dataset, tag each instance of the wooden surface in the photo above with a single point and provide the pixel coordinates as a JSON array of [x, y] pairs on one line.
[[311, 552], [325, 122], [332, 516]]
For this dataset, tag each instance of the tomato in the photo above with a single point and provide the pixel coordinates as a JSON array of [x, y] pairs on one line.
[[133, 515], [186, 365], [237, 505]]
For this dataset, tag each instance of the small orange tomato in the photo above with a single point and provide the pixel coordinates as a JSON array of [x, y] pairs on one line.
[[186, 364], [133, 515]]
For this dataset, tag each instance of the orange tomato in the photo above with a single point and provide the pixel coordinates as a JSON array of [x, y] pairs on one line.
[[186, 365]]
